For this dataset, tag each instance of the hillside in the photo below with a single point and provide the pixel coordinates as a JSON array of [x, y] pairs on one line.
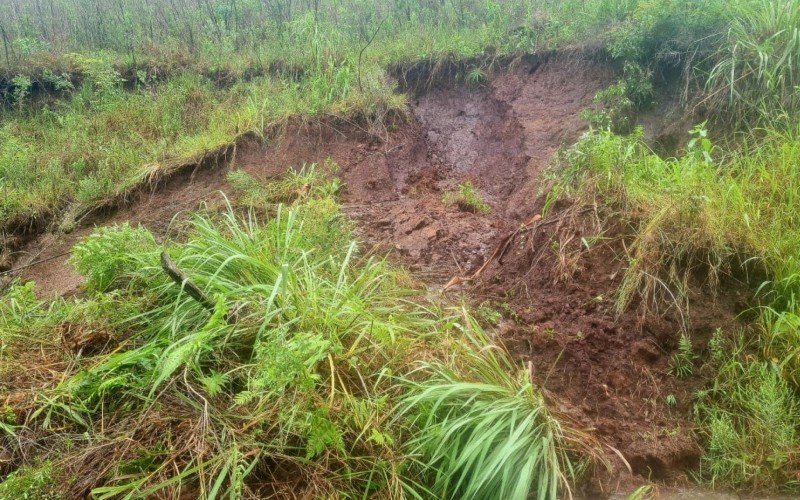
[[416, 249]]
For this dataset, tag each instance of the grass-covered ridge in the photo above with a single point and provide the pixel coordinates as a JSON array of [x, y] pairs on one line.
[[104, 141]]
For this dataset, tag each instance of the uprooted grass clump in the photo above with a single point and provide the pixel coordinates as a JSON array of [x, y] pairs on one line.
[[286, 379], [695, 212], [297, 185], [478, 415]]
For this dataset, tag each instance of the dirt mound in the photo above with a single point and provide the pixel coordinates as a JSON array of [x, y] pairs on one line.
[[554, 285]]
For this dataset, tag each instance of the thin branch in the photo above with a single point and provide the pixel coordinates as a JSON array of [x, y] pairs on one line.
[[361, 53]]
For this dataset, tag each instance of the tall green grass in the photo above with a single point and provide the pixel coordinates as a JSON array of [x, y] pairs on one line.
[[759, 62], [484, 429], [298, 365]]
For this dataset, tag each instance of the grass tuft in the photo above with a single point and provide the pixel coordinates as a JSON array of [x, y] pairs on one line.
[[484, 428], [467, 198]]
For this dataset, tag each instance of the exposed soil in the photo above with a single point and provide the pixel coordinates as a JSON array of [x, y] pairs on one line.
[[608, 372], [45, 259]]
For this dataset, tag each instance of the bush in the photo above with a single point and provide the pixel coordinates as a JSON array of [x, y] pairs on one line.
[[749, 419]]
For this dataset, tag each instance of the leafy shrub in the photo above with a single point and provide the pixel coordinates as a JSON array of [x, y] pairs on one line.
[[22, 87], [60, 83], [749, 420], [31, 483], [111, 255], [620, 100], [99, 73]]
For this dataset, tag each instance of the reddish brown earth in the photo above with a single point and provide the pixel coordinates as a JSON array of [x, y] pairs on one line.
[[608, 372]]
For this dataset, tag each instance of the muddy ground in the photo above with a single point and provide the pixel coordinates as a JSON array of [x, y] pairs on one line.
[[608, 372]]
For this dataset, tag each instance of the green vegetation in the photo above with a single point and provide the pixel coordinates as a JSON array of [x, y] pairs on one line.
[[309, 366], [467, 198], [198, 74], [485, 428], [301, 361], [682, 362], [30, 483], [711, 213], [104, 141], [750, 418], [694, 212]]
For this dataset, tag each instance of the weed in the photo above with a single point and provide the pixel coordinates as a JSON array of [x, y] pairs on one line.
[[31, 483], [682, 362], [716, 346], [306, 348], [749, 420], [757, 69], [489, 313], [476, 76], [467, 198], [295, 186], [688, 213], [781, 332], [642, 492], [509, 311], [113, 255]]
